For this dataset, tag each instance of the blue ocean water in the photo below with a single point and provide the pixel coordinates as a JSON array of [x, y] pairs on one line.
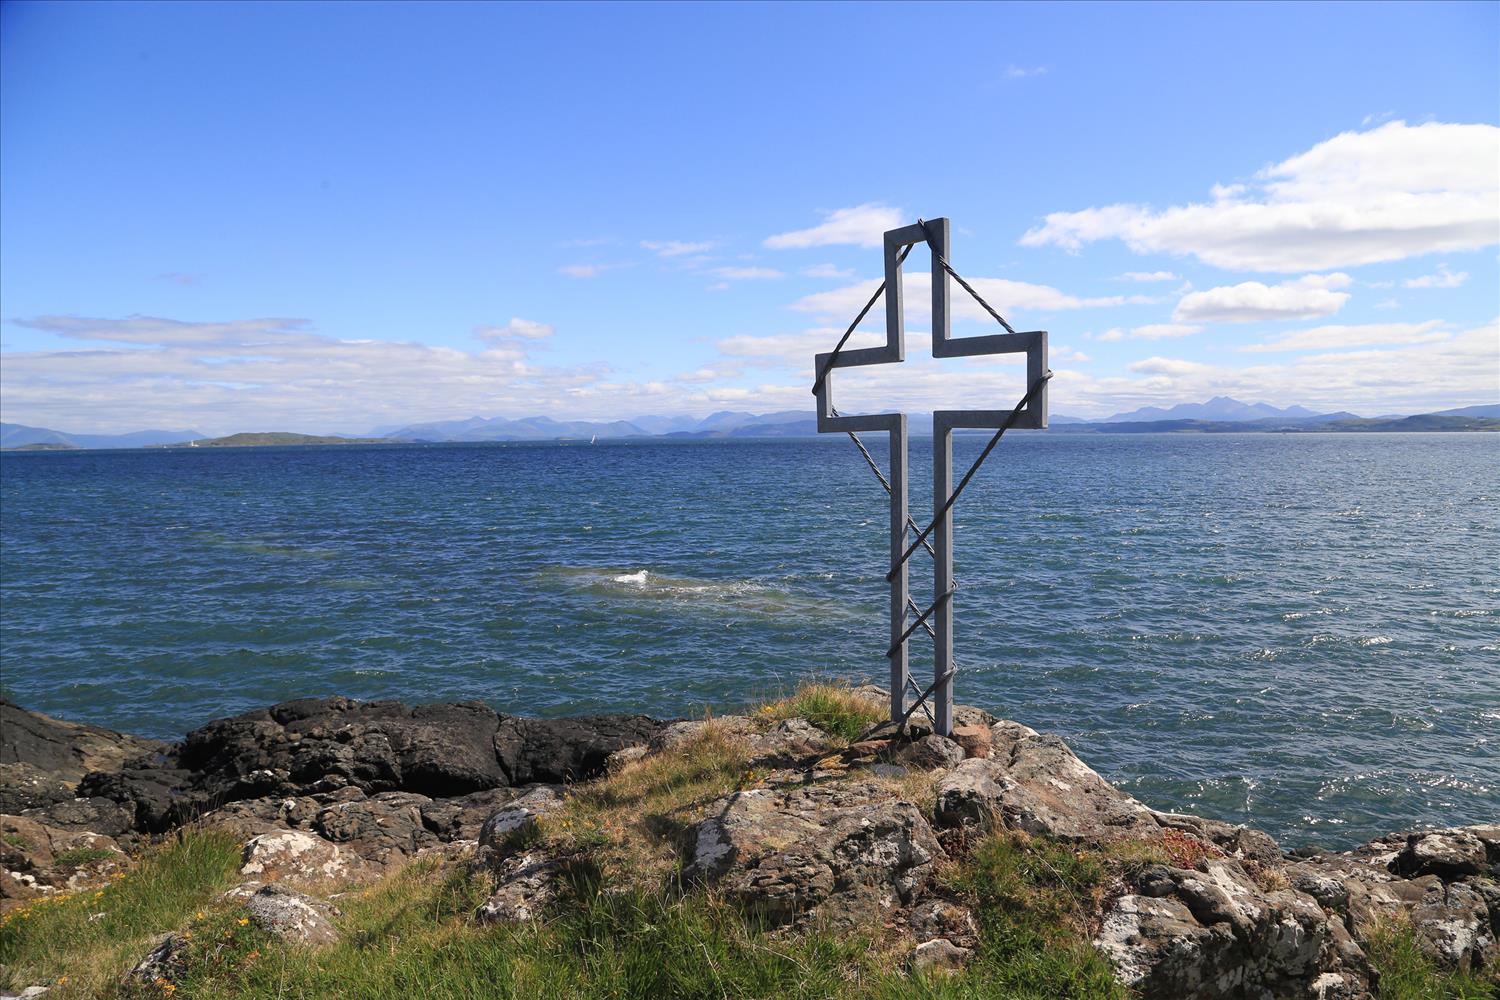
[[1302, 631]]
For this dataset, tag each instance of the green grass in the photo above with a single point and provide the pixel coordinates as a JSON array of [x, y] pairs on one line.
[[55, 936], [1030, 896], [413, 934], [1405, 973], [76, 856], [833, 708]]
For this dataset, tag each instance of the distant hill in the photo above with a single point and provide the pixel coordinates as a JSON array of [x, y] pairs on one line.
[[266, 439], [16, 436], [1218, 408], [525, 429], [1483, 410]]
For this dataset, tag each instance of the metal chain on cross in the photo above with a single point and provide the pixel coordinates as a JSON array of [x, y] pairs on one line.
[[1030, 411]]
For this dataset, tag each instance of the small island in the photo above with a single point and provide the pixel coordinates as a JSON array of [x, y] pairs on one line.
[[271, 439]]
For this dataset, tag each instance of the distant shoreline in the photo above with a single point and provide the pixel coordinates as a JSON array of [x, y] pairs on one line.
[[1404, 425]]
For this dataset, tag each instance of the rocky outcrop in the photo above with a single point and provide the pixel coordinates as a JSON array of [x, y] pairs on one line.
[[331, 791], [323, 746], [37, 860], [840, 854], [43, 759]]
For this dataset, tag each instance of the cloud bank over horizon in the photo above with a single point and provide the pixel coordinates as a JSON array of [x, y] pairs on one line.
[[1315, 222]]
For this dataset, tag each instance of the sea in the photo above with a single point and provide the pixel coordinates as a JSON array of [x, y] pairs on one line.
[[1300, 631]]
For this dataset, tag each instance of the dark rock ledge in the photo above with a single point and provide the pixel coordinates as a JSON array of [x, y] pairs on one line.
[[335, 790]]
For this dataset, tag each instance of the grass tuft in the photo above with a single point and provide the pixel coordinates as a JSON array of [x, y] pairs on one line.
[[835, 709], [1404, 972], [94, 937]]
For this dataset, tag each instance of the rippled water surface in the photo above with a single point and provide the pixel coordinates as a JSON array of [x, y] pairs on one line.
[[1299, 630]]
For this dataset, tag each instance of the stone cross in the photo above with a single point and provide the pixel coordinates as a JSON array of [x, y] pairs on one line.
[[936, 234]]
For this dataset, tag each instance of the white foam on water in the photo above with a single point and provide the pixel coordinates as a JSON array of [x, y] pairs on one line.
[[638, 578]]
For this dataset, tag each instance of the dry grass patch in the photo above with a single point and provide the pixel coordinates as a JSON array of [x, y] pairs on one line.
[[630, 822]]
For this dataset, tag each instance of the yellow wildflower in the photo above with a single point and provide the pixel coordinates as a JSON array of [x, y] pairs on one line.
[[243, 921]]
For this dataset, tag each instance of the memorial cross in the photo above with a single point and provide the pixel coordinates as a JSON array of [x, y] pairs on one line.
[[1031, 413]]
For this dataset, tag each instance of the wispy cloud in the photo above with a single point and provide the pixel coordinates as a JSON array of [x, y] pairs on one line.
[[179, 278], [588, 270], [1323, 338], [747, 273], [1014, 72], [1444, 278], [677, 248], [516, 329], [1148, 276], [1151, 331], [862, 225], [828, 271]]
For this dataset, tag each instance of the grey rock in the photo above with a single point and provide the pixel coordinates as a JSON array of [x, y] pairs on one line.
[[1036, 784], [525, 885], [1217, 935], [941, 918], [296, 857], [164, 963], [939, 957], [292, 916], [514, 821], [383, 829], [1448, 854], [838, 854], [932, 751], [43, 759]]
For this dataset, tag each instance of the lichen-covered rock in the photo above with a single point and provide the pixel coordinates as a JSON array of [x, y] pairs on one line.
[[1037, 785], [939, 957], [1235, 840], [513, 822], [296, 857], [164, 964], [292, 916], [1215, 934], [839, 854], [525, 884], [1448, 854], [941, 918]]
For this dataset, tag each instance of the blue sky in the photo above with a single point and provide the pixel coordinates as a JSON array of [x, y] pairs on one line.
[[241, 217]]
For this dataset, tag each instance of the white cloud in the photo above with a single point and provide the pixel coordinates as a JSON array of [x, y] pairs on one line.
[[1252, 301], [827, 271], [1149, 276], [1111, 335], [1014, 72], [863, 225], [748, 273], [1408, 379], [1159, 331], [676, 248], [1444, 278], [516, 329], [1388, 304], [1003, 294], [1361, 197], [1359, 335]]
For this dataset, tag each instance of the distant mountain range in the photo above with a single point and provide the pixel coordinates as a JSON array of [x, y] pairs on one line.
[[13, 436], [1218, 415]]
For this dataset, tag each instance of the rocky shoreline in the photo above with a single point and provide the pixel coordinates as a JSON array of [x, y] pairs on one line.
[[820, 832]]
